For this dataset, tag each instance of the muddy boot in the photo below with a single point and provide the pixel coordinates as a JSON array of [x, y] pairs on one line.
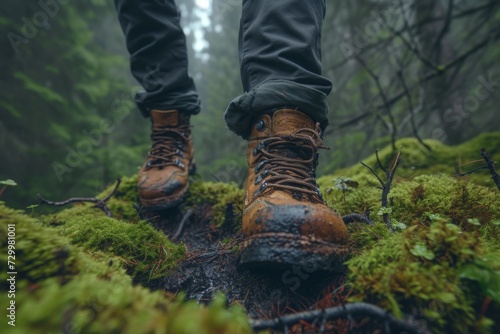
[[286, 221], [164, 178]]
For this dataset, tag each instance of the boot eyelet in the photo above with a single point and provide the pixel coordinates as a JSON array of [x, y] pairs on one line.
[[148, 164], [260, 125], [179, 163], [261, 176], [261, 189], [262, 145], [259, 166]]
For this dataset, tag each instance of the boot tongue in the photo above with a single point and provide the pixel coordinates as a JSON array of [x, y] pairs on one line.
[[165, 118], [287, 121]]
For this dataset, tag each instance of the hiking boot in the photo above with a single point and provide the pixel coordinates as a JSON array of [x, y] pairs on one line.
[[164, 178], [285, 220]]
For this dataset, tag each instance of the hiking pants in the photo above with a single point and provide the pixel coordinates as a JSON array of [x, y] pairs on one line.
[[279, 53]]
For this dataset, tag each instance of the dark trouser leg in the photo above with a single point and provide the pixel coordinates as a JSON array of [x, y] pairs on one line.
[[280, 55], [158, 55]]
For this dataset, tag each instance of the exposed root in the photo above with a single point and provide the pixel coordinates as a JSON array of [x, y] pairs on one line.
[[99, 203], [344, 311]]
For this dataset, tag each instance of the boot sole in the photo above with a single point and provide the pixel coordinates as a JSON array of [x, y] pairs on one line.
[[279, 251], [168, 202]]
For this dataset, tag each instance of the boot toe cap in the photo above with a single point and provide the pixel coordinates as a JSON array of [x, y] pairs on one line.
[[314, 221]]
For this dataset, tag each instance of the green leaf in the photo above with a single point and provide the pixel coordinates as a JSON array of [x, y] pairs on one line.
[[474, 221], [487, 278], [384, 210], [32, 206], [447, 297], [496, 223], [453, 228], [433, 216], [398, 225], [422, 251], [9, 182]]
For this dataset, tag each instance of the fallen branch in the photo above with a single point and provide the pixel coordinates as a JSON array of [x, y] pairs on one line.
[[354, 309], [99, 203]]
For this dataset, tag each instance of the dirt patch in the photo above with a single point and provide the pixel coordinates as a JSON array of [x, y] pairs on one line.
[[211, 266]]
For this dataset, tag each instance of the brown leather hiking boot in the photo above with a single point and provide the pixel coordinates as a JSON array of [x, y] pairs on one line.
[[285, 219], [164, 178]]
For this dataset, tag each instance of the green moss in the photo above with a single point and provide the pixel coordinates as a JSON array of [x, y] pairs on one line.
[[435, 270], [417, 160], [218, 196], [146, 253], [61, 286], [412, 201]]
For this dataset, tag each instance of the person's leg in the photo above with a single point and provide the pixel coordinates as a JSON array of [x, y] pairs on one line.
[[280, 56], [285, 219], [158, 55], [159, 61]]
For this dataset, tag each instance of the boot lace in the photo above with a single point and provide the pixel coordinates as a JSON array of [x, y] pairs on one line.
[[169, 144], [288, 163]]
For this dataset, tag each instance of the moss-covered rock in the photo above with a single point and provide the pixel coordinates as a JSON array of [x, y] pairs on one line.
[[438, 272], [65, 285], [145, 252]]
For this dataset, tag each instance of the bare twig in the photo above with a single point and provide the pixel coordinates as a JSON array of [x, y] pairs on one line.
[[182, 223], [356, 217], [374, 173], [412, 112], [446, 27], [456, 62], [491, 166], [99, 203], [393, 127], [354, 309], [471, 171], [386, 186], [379, 163]]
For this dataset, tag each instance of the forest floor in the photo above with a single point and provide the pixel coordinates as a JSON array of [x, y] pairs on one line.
[[212, 266], [177, 271]]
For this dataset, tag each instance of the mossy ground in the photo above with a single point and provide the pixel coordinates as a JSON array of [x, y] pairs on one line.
[[440, 264], [90, 273], [73, 279]]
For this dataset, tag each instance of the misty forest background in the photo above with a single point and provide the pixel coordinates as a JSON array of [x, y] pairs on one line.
[[401, 68]]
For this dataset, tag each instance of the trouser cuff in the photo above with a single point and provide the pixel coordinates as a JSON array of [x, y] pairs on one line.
[[182, 102], [275, 95]]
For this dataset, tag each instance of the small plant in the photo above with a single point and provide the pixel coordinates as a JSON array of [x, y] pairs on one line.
[[343, 184], [32, 207], [5, 184]]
